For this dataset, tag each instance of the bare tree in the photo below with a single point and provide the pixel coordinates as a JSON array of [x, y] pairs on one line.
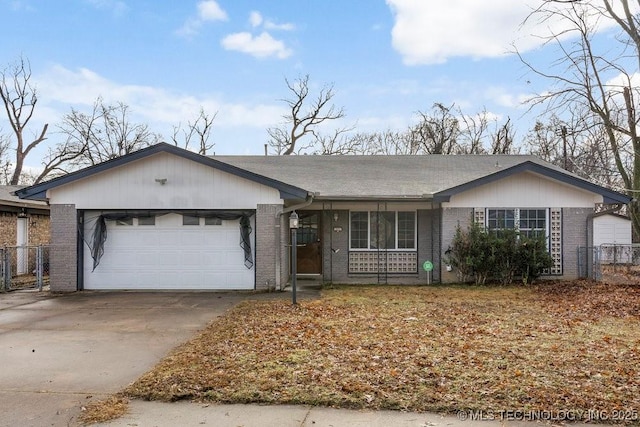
[[437, 131], [502, 139], [197, 132], [103, 134], [305, 114], [19, 99], [596, 81]]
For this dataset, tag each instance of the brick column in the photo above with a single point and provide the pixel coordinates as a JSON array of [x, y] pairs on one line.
[[452, 218], [268, 229], [63, 268], [576, 232]]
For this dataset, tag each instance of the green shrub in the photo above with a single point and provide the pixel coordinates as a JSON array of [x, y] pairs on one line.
[[500, 255]]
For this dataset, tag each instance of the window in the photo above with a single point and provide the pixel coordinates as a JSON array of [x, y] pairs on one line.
[[359, 230], [125, 221], [530, 222], [147, 220], [383, 230], [190, 220], [212, 221]]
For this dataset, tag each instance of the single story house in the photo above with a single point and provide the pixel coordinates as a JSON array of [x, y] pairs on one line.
[[167, 218]]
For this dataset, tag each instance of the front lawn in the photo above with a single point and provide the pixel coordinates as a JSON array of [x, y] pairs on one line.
[[557, 347]]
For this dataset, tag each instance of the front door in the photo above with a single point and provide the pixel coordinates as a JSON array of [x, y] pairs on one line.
[[309, 243]]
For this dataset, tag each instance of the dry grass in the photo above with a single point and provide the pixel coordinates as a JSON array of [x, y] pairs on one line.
[[556, 347], [101, 411]]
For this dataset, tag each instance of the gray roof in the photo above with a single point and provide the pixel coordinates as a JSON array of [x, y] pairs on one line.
[[8, 198], [400, 177]]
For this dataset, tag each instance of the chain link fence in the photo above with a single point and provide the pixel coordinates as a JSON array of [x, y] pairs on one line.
[[610, 263], [24, 267]]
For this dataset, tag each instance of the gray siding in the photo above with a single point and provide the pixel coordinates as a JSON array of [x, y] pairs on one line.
[[451, 219], [64, 253], [576, 232]]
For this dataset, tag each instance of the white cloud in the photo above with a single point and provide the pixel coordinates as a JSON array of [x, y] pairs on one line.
[[255, 18], [261, 46], [208, 11], [433, 32], [270, 25], [60, 89]]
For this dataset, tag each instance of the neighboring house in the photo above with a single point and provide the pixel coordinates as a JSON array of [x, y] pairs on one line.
[[167, 218], [22, 222]]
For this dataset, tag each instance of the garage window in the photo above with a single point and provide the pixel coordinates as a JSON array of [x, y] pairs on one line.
[[125, 221], [212, 221], [190, 220], [147, 220]]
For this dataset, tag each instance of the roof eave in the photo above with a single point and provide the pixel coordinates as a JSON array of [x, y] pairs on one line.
[[38, 191], [609, 196]]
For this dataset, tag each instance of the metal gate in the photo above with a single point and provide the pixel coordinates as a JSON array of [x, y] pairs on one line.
[[24, 267], [600, 262]]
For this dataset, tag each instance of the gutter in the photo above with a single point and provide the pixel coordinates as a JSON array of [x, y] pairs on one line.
[[307, 202]]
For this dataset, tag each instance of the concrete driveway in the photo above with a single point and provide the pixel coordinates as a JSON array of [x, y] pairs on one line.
[[59, 352]]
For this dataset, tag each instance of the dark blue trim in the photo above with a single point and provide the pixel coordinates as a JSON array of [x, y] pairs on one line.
[[609, 196], [39, 191]]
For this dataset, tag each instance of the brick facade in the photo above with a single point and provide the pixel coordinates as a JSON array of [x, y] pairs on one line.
[[451, 219], [39, 229], [268, 226], [64, 241], [576, 231]]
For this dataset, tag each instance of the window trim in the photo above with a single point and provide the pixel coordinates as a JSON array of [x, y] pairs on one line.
[[516, 221], [396, 226]]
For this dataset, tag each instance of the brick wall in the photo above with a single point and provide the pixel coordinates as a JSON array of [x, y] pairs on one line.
[[575, 233], [267, 231], [63, 258], [39, 233], [451, 219]]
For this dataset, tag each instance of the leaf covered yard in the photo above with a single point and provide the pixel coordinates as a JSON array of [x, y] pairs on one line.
[[556, 347]]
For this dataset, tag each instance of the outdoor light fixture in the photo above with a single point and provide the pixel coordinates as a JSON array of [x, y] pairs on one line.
[[161, 181], [293, 220], [293, 225]]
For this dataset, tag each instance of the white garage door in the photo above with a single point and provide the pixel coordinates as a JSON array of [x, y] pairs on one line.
[[165, 253]]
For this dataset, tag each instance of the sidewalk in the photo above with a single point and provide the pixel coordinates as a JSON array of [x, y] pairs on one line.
[[156, 414]]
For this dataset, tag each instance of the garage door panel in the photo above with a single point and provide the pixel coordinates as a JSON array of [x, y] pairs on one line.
[[170, 256]]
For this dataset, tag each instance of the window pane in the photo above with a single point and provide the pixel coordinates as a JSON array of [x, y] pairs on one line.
[[126, 221], [147, 220], [501, 219], [212, 221], [190, 220], [406, 230], [533, 222], [383, 230], [359, 227]]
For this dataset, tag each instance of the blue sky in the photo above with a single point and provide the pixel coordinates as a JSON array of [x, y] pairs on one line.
[[166, 59]]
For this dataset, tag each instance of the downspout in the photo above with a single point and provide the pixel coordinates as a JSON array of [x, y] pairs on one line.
[[292, 208], [590, 217]]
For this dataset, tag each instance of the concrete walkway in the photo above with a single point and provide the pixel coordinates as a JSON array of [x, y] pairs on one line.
[[192, 414]]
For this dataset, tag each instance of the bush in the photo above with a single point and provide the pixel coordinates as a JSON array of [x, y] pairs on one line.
[[498, 255]]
